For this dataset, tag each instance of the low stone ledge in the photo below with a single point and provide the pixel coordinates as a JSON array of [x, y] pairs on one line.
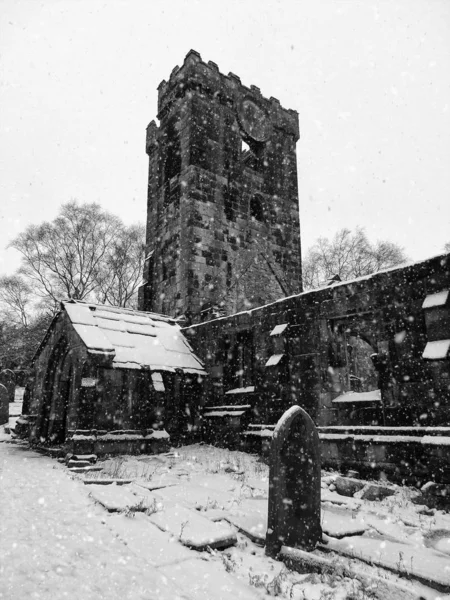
[[128, 441]]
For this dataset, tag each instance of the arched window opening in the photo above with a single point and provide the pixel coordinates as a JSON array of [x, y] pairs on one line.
[[229, 275]]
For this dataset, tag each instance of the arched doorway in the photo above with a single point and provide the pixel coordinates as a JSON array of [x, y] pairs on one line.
[[55, 397]]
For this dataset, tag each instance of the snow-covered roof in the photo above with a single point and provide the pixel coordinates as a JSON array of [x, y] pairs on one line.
[[132, 339], [348, 397]]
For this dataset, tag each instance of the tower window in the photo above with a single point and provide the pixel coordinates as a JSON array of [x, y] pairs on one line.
[[172, 164], [256, 208], [229, 275]]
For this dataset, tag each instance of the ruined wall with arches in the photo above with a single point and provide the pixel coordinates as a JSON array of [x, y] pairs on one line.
[[375, 352]]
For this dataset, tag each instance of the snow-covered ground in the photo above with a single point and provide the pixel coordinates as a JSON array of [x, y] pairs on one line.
[[191, 524]]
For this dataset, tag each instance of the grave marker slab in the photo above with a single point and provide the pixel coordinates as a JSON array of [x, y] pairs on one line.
[[8, 379], [294, 484], [4, 405], [192, 529]]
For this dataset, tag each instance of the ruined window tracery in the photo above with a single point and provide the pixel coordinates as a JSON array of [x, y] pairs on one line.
[[350, 359], [241, 357]]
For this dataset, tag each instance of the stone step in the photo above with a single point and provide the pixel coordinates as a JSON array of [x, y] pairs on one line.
[[92, 458], [88, 469], [78, 463]]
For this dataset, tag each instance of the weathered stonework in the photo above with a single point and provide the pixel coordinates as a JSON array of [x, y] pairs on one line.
[[384, 406], [384, 310], [223, 228]]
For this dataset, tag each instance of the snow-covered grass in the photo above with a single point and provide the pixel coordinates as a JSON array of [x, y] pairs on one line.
[[197, 458], [123, 467], [221, 483], [220, 460], [248, 562]]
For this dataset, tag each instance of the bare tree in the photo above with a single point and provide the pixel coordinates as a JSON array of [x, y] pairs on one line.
[[347, 256], [122, 269], [447, 247], [15, 299], [22, 323], [18, 343], [65, 258]]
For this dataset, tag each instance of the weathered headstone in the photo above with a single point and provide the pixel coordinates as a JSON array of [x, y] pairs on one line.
[[8, 379], [4, 405], [27, 395], [294, 484]]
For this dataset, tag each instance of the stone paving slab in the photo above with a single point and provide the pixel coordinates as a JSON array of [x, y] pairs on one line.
[[261, 487], [216, 481], [196, 496], [335, 498], [192, 529], [146, 539], [117, 498], [342, 523], [250, 517], [393, 532], [253, 526], [429, 567], [205, 580], [214, 514], [160, 481]]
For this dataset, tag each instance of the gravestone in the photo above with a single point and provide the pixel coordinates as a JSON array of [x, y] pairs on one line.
[[4, 405], [294, 484], [8, 379]]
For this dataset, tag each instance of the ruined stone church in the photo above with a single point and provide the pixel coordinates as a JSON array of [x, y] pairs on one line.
[[368, 359]]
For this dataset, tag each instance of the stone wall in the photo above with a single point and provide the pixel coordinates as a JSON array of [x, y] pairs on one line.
[[330, 350], [223, 228]]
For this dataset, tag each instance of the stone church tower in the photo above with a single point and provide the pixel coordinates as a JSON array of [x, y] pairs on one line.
[[223, 230]]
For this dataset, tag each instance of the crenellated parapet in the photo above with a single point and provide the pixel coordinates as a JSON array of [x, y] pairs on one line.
[[206, 78]]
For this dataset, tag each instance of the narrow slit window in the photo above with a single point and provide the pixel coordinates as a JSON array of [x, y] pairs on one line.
[[256, 208]]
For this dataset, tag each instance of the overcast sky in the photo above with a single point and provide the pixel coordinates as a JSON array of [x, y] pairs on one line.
[[370, 81]]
